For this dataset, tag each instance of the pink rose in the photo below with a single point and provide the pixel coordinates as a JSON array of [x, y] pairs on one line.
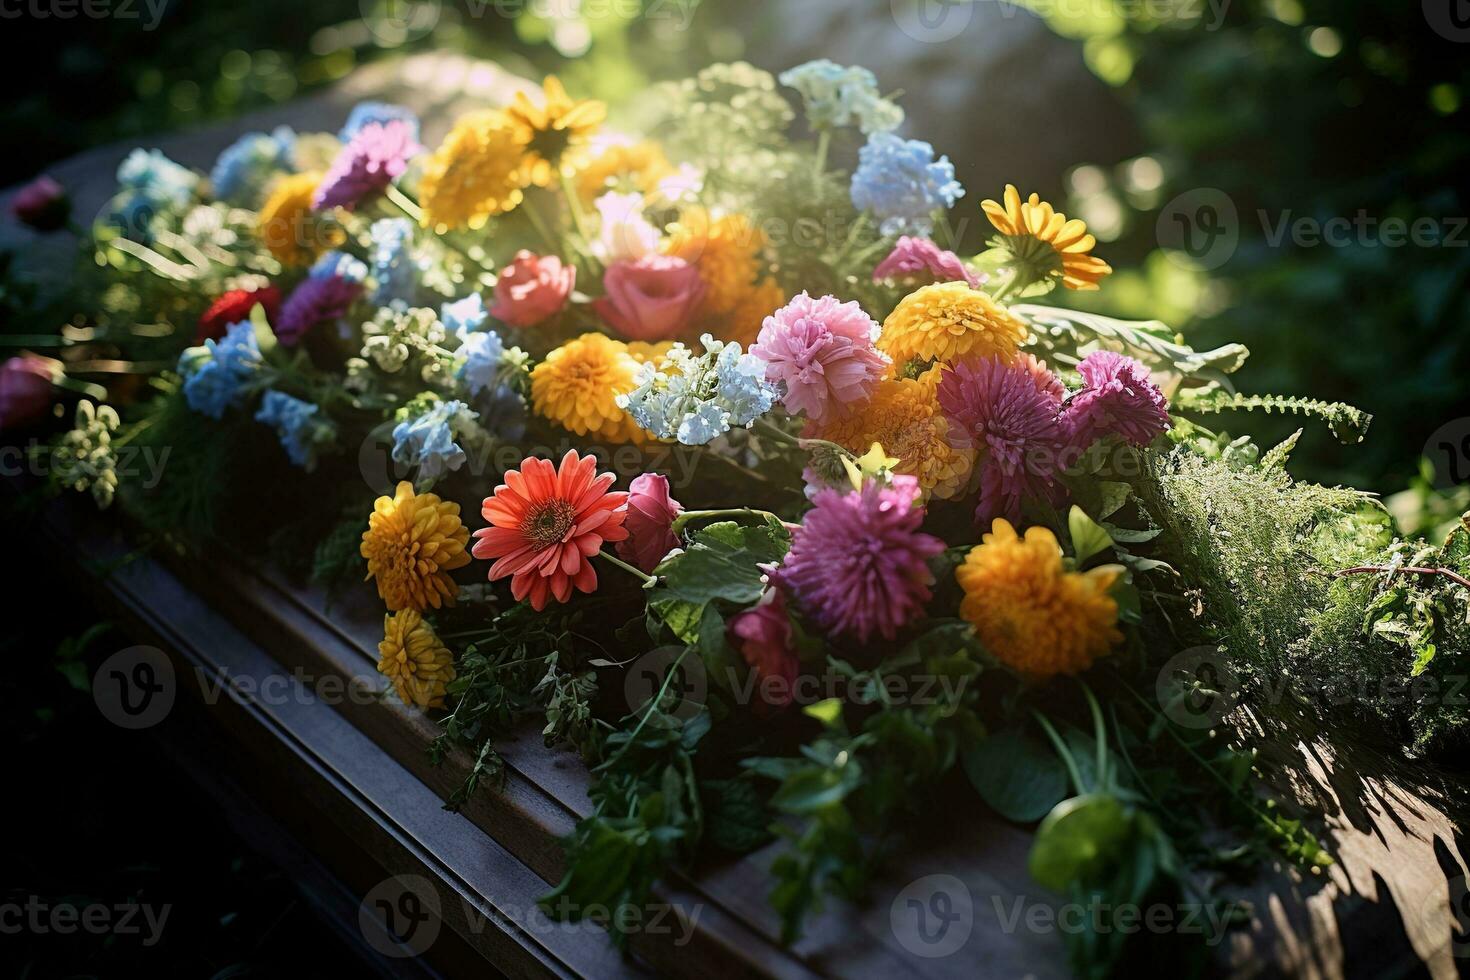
[[532, 289], [25, 390], [651, 299], [42, 204], [651, 513], [920, 260], [763, 635]]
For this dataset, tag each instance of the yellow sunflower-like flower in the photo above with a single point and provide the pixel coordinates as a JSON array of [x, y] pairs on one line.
[[623, 167], [1031, 613], [726, 251], [948, 320], [577, 385], [903, 415], [743, 323], [287, 225], [555, 133], [414, 659], [1044, 243], [474, 174], [412, 543]]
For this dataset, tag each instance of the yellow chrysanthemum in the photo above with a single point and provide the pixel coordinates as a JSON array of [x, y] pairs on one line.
[[726, 251], [743, 322], [625, 168], [414, 659], [412, 543], [474, 174], [644, 352], [554, 133], [1028, 611], [1044, 243], [903, 415], [287, 225], [576, 386], [948, 320]]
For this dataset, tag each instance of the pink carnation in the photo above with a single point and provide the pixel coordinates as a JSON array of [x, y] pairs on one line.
[[920, 260], [314, 301], [532, 289], [25, 389], [764, 638], [822, 350], [375, 157], [651, 513], [651, 299], [857, 562], [1117, 398]]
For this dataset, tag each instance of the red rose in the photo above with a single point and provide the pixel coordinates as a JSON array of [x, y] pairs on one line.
[[234, 307]]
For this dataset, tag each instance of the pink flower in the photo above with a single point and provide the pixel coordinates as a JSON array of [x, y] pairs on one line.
[[1117, 398], [376, 156], [532, 289], [763, 635], [823, 351], [651, 299], [25, 389], [651, 513], [922, 261], [42, 204]]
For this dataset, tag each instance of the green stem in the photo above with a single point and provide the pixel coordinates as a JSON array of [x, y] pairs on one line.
[[631, 570], [690, 515], [1062, 750], [405, 203], [824, 142], [806, 445], [574, 204], [652, 706]]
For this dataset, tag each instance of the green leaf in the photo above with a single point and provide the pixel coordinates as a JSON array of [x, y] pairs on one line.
[[1114, 496], [1422, 657], [828, 711], [1088, 536], [1079, 840], [810, 790], [1016, 774]]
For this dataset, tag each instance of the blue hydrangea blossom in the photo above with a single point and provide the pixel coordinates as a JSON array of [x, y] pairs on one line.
[[215, 375], [298, 424], [696, 399], [243, 168], [393, 267], [339, 264], [900, 183], [427, 441]]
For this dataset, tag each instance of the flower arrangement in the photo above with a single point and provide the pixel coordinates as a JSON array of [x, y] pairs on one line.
[[782, 429]]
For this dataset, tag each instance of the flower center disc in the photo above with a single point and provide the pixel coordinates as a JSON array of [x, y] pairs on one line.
[[550, 522]]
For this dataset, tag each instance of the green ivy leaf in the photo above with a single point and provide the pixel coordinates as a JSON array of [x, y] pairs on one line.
[[1018, 776]]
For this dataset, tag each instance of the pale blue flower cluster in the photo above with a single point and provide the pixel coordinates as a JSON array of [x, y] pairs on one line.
[[901, 184], [696, 399], [479, 357], [298, 424], [377, 112], [834, 95], [464, 315], [243, 168], [340, 265], [427, 441], [393, 268], [149, 183], [215, 374]]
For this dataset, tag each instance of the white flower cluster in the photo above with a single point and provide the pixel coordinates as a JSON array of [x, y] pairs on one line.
[[695, 399]]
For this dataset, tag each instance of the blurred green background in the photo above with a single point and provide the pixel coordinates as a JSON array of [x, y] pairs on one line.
[[1282, 109]]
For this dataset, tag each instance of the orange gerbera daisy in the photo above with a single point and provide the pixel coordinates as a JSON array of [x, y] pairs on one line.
[[554, 132], [1044, 243], [547, 523]]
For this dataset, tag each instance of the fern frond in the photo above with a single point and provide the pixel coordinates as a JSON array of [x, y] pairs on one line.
[[1349, 424]]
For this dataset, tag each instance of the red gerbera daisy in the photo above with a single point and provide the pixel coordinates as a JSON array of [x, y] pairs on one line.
[[547, 523], [234, 307]]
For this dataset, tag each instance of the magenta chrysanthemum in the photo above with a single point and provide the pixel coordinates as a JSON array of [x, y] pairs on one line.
[[823, 351], [314, 301], [856, 564], [920, 260], [1010, 413], [375, 157], [1117, 398]]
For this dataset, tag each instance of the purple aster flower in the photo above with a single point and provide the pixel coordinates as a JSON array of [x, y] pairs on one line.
[[1117, 398], [823, 351], [376, 156], [1010, 413], [314, 301], [857, 562], [921, 261]]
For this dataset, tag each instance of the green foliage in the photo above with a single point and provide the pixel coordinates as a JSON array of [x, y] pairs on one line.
[[1347, 423]]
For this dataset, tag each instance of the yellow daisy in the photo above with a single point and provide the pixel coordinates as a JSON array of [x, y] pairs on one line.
[[474, 174], [1044, 243], [287, 225], [554, 133], [412, 543], [576, 386], [726, 251], [414, 659], [948, 320], [1028, 611], [903, 415], [624, 167]]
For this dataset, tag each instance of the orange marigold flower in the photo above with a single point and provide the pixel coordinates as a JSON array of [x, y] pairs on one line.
[[1028, 611], [947, 320], [555, 133], [623, 167], [577, 385], [726, 251], [1044, 243], [412, 543], [287, 225], [743, 323], [474, 174], [546, 524], [414, 659]]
